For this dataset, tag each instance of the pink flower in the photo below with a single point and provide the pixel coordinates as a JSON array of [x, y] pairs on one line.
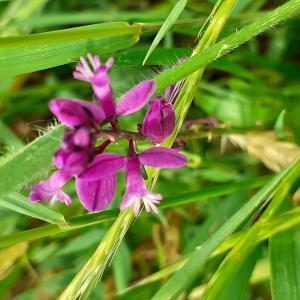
[[76, 151], [159, 121], [97, 75], [51, 189], [95, 171], [108, 164], [160, 118]]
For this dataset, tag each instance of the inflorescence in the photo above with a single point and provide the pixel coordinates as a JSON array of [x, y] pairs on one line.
[[95, 171]]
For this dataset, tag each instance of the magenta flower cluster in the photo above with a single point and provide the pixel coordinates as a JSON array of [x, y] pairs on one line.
[[94, 170]]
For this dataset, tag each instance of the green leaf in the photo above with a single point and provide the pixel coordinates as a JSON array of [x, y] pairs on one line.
[[272, 226], [285, 264], [30, 162], [236, 286], [190, 270], [107, 215], [279, 125], [213, 191], [205, 57], [168, 23], [89, 17], [21, 204], [122, 267], [28, 53], [47, 230]]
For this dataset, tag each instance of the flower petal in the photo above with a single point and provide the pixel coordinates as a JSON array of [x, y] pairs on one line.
[[136, 98], [103, 165], [159, 121], [98, 194], [135, 185], [74, 112], [51, 189], [73, 163], [160, 157]]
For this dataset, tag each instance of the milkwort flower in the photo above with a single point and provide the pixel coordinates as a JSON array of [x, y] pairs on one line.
[[95, 171], [97, 75], [108, 164], [159, 121]]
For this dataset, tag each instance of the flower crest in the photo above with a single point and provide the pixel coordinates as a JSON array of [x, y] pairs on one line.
[[94, 169]]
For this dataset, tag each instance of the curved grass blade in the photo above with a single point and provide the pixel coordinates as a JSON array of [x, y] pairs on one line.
[[21, 204], [246, 245], [226, 45], [190, 270], [107, 215], [276, 225], [28, 53], [168, 23]]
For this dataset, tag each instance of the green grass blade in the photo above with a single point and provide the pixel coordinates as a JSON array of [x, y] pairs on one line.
[[272, 226], [122, 267], [107, 215], [28, 53], [30, 162], [214, 191], [93, 269], [21, 204], [168, 23], [285, 264], [89, 17], [190, 270], [246, 245], [265, 22], [47, 230], [236, 285]]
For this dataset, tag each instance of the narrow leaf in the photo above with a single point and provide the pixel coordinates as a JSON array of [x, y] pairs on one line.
[[279, 125], [190, 270], [107, 215], [33, 52], [285, 264], [205, 57], [21, 204], [236, 285], [168, 23]]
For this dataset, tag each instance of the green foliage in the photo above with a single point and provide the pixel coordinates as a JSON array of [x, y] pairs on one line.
[[34, 52], [20, 203], [209, 240], [170, 20], [285, 259]]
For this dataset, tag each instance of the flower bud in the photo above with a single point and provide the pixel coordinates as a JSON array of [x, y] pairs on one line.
[[159, 122]]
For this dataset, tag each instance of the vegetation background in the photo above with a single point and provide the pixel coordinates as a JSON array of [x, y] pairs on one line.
[[228, 227]]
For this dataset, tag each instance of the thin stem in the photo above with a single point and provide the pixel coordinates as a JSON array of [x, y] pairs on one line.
[[100, 149], [94, 267], [119, 134], [205, 57]]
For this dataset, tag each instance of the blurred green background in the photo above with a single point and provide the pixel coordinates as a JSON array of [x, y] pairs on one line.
[[253, 92]]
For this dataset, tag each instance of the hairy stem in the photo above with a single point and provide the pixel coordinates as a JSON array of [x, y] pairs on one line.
[[93, 269], [206, 54]]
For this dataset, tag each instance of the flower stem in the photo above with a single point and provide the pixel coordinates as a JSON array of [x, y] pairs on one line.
[[93, 269]]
